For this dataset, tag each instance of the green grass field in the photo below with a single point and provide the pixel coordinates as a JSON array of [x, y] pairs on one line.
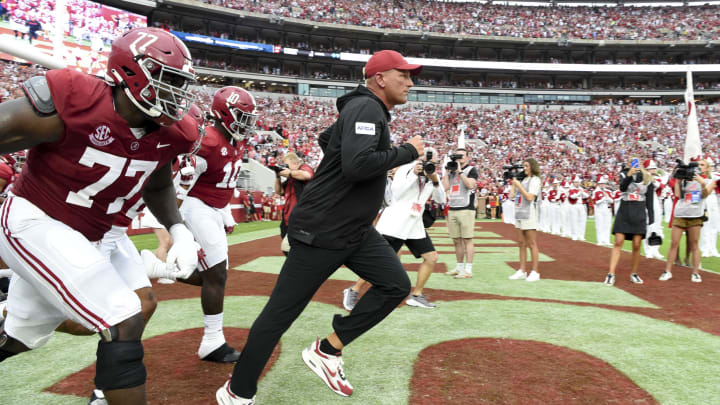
[[676, 364]]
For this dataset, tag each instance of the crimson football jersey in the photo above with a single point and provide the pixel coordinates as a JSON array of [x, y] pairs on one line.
[[218, 180], [98, 164]]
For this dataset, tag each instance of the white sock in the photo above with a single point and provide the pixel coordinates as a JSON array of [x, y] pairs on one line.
[[468, 268], [460, 267], [213, 334], [213, 326]]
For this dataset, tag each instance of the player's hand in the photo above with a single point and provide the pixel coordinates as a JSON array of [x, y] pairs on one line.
[[229, 229], [187, 168], [418, 143], [184, 251]]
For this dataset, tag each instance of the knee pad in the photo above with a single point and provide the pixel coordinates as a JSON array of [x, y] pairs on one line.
[[119, 365]]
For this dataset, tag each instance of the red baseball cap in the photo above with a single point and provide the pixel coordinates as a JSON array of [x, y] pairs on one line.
[[385, 60]]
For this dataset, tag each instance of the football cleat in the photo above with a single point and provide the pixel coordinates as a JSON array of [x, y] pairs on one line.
[[223, 354]]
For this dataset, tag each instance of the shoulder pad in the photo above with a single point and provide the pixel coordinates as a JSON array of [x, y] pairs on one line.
[[37, 91]]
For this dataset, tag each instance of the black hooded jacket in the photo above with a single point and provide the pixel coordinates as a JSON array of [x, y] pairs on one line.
[[339, 204]]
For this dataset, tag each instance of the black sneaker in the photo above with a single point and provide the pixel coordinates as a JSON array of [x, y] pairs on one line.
[[223, 354], [636, 279]]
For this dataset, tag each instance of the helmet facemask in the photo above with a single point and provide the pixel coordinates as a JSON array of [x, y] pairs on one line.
[[243, 123], [167, 93]]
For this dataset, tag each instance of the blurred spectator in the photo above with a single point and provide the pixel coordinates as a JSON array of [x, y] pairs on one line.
[[558, 22]]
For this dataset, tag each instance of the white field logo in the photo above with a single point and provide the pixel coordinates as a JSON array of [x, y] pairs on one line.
[[101, 136], [365, 128]]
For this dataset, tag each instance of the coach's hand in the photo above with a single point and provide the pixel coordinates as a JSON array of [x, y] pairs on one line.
[[184, 251], [417, 142]]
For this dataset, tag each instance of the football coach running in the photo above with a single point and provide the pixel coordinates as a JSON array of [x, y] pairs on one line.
[[332, 226]]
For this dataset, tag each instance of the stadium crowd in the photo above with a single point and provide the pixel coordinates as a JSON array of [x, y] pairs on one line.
[[583, 22], [89, 19], [586, 142], [597, 139]]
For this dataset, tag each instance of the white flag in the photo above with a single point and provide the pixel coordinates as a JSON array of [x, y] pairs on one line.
[[693, 148]]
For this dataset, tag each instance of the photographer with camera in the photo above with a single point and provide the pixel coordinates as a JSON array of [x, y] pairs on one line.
[[459, 182], [709, 231], [404, 221], [296, 174], [690, 190], [633, 215], [653, 239], [525, 189]]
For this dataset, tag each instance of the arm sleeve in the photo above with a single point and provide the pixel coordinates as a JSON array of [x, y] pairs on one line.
[[403, 180], [625, 181], [649, 195], [362, 127]]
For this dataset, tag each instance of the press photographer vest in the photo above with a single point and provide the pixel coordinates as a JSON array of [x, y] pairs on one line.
[[690, 204], [635, 192], [459, 194], [523, 206]]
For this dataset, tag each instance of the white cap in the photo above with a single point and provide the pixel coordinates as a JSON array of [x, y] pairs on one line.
[[603, 179]]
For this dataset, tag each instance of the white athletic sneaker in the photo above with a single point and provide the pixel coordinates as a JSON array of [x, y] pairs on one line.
[[225, 397], [533, 276], [518, 275], [350, 298], [636, 279], [695, 278], [419, 301], [609, 279], [328, 367], [665, 276]]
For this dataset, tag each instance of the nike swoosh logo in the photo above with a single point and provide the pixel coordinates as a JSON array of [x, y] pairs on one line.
[[162, 145], [328, 371]]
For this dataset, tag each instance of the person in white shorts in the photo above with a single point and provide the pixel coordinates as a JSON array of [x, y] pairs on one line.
[[93, 146], [524, 194], [206, 194]]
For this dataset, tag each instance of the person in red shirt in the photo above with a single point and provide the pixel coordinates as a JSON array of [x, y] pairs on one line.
[[94, 145], [297, 174]]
